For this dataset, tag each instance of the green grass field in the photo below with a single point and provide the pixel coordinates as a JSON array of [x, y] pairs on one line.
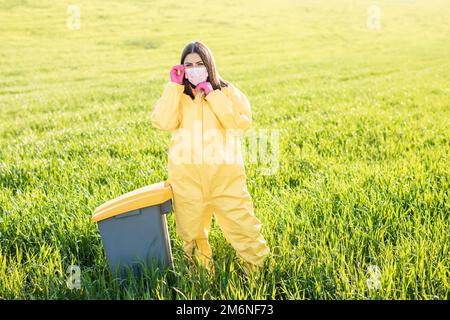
[[364, 140]]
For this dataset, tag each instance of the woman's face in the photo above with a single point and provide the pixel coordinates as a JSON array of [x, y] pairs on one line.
[[195, 70], [193, 60]]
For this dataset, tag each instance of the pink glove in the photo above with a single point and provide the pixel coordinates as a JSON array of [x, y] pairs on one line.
[[177, 73], [205, 86]]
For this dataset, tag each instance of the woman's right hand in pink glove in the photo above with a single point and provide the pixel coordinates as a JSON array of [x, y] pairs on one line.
[[177, 73]]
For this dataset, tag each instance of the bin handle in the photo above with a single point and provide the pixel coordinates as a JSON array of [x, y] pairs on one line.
[[128, 214]]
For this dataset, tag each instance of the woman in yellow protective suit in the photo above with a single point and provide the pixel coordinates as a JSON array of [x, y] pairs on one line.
[[207, 115]]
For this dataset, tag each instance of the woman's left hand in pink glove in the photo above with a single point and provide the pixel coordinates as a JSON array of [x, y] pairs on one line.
[[205, 86]]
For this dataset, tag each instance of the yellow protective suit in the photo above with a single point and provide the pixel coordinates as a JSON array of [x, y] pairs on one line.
[[206, 171]]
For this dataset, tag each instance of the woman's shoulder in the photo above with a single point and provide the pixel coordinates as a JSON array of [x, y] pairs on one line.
[[232, 91], [230, 88], [228, 85]]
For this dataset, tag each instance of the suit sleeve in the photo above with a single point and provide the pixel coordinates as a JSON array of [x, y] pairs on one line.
[[231, 107], [166, 113]]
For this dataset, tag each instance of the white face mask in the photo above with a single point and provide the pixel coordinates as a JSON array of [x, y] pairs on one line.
[[196, 75]]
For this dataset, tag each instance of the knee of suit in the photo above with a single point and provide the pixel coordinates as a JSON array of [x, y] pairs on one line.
[[239, 226], [198, 246], [256, 257], [253, 261], [250, 248], [189, 229], [190, 233]]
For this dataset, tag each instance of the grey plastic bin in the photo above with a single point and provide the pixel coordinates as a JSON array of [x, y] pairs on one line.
[[134, 229]]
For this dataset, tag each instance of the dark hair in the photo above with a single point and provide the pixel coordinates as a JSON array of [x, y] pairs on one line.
[[208, 60]]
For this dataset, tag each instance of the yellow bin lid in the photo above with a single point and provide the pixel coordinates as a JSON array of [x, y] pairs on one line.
[[150, 195]]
